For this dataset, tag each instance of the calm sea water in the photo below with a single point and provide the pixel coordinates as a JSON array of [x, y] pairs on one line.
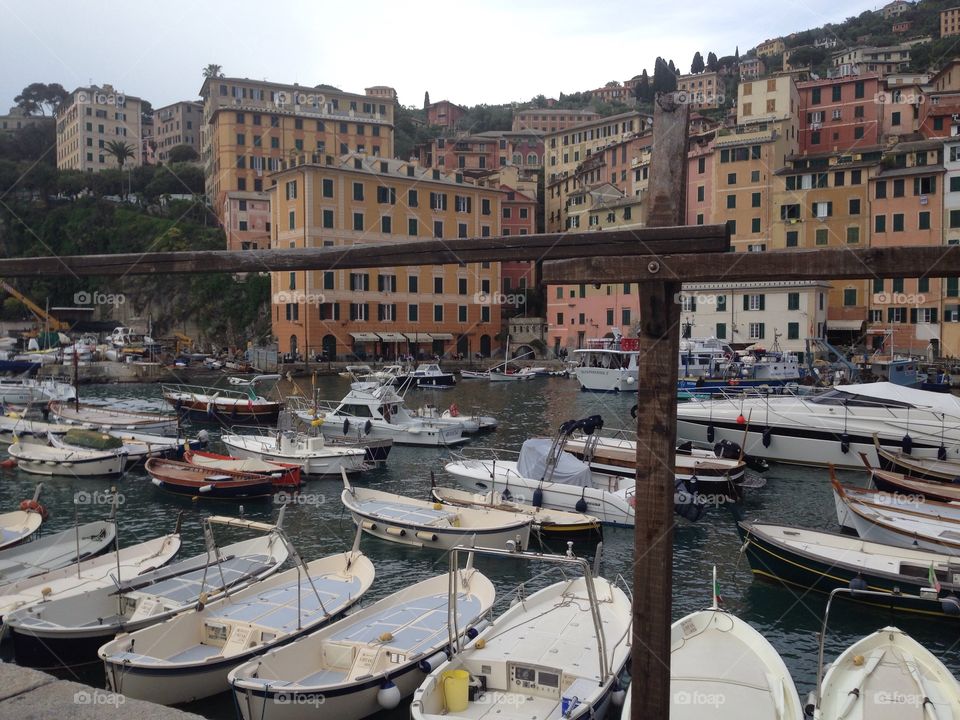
[[793, 495]]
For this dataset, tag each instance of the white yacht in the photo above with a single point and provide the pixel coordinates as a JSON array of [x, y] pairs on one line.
[[427, 375], [830, 427], [608, 365], [310, 452], [380, 412]]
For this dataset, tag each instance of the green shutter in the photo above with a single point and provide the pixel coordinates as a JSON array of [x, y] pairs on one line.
[[762, 302], [746, 302]]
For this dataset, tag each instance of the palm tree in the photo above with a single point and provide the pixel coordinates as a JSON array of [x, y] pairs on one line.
[[213, 71], [122, 152]]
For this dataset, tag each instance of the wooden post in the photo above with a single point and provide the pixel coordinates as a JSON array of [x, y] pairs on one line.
[[656, 426]]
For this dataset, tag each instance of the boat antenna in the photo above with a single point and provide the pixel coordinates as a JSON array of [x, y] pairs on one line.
[[76, 526], [713, 591]]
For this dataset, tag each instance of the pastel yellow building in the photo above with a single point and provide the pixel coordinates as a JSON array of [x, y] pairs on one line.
[[88, 120], [385, 312], [251, 126], [177, 124]]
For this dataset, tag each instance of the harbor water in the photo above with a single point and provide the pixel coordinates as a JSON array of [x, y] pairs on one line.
[[789, 618]]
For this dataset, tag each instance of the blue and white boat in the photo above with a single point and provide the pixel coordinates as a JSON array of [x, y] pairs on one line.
[[708, 365]]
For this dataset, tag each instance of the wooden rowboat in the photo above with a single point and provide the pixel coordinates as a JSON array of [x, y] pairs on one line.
[[945, 471], [284, 475], [207, 483]]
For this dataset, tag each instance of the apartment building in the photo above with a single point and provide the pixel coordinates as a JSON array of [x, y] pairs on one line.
[[950, 315], [901, 27], [615, 93], [950, 22], [426, 310], [895, 9], [880, 60], [577, 313], [246, 220], [88, 120], [702, 91], [383, 92], [444, 114], [752, 68], [518, 216], [549, 120], [483, 151], [251, 126], [770, 47], [700, 174], [840, 113], [17, 119], [177, 124]]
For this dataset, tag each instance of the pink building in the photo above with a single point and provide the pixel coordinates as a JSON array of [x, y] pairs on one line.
[[246, 220], [483, 151], [840, 113], [577, 313], [700, 183], [444, 114], [518, 216]]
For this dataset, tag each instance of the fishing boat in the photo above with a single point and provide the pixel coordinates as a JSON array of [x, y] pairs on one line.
[[910, 580], [829, 427], [88, 575], [608, 365], [905, 520], [37, 457], [547, 522], [111, 418], [303, 415], [900, 484], [18, 525], [310, 452], [69, 631], [14, 425], [283, 475], [208, 483], [426, 375], [557, 653], [710, 365], [370, 660], [920, 468], [502, 371], [452, 417], [718, 661], [424, 524], [379, 413], [55, 551], [24, 390], [189, 656], [355, 371], [214, 404], [887, 675]]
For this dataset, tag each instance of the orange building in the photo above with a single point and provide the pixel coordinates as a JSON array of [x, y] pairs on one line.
[[444, 114]]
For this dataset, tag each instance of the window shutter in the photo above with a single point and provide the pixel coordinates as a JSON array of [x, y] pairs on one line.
[[746, 302], [762, 303], [913, 316], [380, 284], [352, 278], [762, 326]]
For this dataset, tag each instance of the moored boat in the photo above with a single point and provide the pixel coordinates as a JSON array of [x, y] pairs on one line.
[[426, 375], [213, 404], [608, 365], [282, 475], [17, 525], [109, 417], [468, 424], [37, 457], [309, 451], [55, 551], [921, 468], [897, 483], [205, 483]]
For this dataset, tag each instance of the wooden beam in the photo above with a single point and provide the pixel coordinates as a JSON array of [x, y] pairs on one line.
[[706, 238], [931, 261], [656, 426]]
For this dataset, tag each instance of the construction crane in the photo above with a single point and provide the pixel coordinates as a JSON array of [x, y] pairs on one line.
[[44, 319]]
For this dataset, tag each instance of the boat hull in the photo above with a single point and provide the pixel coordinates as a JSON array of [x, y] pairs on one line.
[[112, 465], [400, 435], [228, 411], [604, 380], [332, 465], [48, 652]]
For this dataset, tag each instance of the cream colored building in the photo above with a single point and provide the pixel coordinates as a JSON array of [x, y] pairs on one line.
[[17, 119], [774, 98], [770, 47], [950, 22], [702, 91], [548, 120], [177, 124], [88, 120]]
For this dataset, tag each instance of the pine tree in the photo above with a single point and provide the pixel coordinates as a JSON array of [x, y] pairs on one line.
[[426, 100], [712, 62], [697, 65], [642, 89]]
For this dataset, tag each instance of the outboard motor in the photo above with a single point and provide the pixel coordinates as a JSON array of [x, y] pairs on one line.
[[731, 451], [685, 502]]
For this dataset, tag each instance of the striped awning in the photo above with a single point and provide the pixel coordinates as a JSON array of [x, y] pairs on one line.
[[365, 336], [392, 336], [419, 337]]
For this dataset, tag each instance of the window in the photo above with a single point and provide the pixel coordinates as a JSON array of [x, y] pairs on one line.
[[792, 238], [609, 316], [821, 236], [358, 221], [461, 313], [838, 178], [292, 218], [438, 201], [358, 191], [327, 187], [923, 221], [438, 313], [359, 281], [386, 224], [755, 225], [753, 302], [822, 209], [853, 235], [793, 301], [462, 204], [898, 222], [880, 223], [835, 94], [854, 206], [897, 285], [895, 119], [731, 201], [923, 285], [756, 331], [506, 213], [955, 218], [412, 199], [485, 206], [849, 297], [412, 284], [925, 185], [896, 315], [413, 312], [881, 189], [859, 89], [898, 188], [241, 139], [328, 218], [700, 192], [815, 137], [291, 189], [755, 200], [328, 280], [461, 230], [359, 311], [412, 228], [721, 331], [462, 286], [438, 228]]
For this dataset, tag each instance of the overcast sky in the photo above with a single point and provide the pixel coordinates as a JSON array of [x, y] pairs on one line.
[[483, 51]]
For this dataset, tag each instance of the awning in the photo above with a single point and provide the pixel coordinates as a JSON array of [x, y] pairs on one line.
[[419, 337], [441, 336], [845, 324], [392, 336], [365, 336]]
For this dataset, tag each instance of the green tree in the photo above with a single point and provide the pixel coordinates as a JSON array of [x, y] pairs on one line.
[[182, 153], [712, 65], [38, 98], [213, 71], [426, 99], [121, 152], [697, 65]]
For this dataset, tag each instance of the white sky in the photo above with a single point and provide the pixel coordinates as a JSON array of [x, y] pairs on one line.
[[486, 51]]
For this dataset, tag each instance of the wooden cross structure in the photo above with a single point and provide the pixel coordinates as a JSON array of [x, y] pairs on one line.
[[659, 257]]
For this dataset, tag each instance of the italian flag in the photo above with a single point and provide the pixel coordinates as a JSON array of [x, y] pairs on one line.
[[934, 583], [718, 598]]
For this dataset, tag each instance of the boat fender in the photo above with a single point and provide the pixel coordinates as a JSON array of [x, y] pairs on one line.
[[810, 705], [950, 605], [454, 410], [388, 696], [367, 427], [428, 665], [857, 583], [346, 425], [429, 537], [396, 532], [741, 420], [538, 498], [711, 433], [233, 411], [767, 436], [34, 506], [634, 411], [506, 494], [941, 453], [8, 463], [368, 525], [907, 444], [619, 694], [845, 443], [477, 629], [581, 506], [202, 601]]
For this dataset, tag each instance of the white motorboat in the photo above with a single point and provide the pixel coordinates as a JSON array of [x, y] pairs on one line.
[[189, 656], [424, 524], [831, 427], [69, 631], [27, 391], [17, 525], [37, 457], [310, 452], [426, 375], [379, 412], [88, 575], [887, 675], [55, 551], [720, 667], [367, 662], [112, 418], [84, 349], [557, 653], [14, 425], [468, 424], [608, 365]]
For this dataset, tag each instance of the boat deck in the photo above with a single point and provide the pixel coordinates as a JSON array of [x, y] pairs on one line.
[[412, 514]]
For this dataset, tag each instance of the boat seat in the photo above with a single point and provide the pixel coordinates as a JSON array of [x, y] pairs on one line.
[[137, 658], [186, 588], [192, 654], [414, 514], [323, 677], [276, 609]]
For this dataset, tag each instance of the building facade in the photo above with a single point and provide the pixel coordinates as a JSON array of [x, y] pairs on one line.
[[549, 120], [246, 220], [17, 119], [444, 114], [840, 113], [177, 124], [88, 120], [702, 91]]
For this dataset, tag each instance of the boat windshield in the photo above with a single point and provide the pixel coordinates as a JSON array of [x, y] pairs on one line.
[[839, 397]]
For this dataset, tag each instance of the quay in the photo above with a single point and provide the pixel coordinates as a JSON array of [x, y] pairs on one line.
[[27, 694]]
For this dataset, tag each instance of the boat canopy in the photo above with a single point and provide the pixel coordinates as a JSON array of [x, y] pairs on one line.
[[891, 394], [533, 464]]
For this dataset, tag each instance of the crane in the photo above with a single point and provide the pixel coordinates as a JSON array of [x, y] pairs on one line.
[[44, 318]]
